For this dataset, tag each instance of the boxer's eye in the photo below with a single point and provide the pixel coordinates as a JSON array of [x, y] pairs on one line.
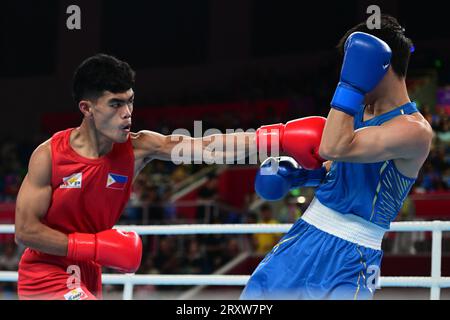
[[115, 104]]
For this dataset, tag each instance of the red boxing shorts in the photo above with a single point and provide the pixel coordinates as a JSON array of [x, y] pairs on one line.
[[48, 277]]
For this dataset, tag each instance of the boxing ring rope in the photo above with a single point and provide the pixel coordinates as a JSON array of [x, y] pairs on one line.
[[435, 282]]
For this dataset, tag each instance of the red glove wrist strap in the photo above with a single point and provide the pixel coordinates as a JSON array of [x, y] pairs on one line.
[[81, 246], [272, 131]]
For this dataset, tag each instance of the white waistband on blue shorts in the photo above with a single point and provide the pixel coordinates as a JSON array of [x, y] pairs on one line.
[[345, 226]]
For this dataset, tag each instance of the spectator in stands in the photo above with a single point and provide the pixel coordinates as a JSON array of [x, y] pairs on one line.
[[9, 261], [446, 178], [429, 178], [437, 158], [248, 244], [208, 192], [425, 110], [151, 199], [215, 245], [444, 134], [133, 211], [290, 211], [11, 186], [147, 267], [12, 169], [264, 242], [2, 185], [170, 210], [193, 261], [232, 249], [439, 119], [167, 258], [178, 175]]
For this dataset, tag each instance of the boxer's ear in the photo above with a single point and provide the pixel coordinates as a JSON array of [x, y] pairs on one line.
[[85, 107]]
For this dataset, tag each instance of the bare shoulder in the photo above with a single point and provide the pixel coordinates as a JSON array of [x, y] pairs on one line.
[[40, 165], [414, 126], [42, 153], [418, 135], [413, 121]]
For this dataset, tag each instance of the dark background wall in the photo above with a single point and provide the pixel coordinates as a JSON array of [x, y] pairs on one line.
[[184, 48]]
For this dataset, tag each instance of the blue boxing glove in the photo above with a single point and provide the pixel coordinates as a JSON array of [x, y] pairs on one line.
[[277, 176], [366, 61]]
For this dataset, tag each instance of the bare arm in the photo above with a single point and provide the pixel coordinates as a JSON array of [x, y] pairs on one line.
[[216, 148], [400, 138], [32, 204]]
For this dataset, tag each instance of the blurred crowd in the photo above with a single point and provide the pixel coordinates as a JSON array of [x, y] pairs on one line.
[[154, 188], [435, 173]]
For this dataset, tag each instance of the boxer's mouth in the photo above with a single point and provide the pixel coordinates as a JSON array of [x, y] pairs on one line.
[[126, 127]]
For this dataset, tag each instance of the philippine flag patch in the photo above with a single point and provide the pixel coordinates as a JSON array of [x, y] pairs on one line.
[[116, 181]]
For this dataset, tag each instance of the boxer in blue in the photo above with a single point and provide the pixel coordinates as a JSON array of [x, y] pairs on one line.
[[375, 141]]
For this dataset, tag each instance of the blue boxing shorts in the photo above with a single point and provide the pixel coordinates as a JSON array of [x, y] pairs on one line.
[[325, 255]]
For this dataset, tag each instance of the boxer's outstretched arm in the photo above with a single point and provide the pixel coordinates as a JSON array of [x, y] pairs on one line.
[[401, 138], [218, 148], [32, 203], [152, 145]]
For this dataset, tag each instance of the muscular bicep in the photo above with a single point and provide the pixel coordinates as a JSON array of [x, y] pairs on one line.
[[33, 199], [395, 140], [32, 202]]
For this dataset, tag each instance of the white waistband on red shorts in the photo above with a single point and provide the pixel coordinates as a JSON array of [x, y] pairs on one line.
[[345, 226]]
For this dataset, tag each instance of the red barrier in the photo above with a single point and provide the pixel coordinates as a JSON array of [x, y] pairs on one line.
[[431, 206], [188, 213], [7, 214], [236, 183]]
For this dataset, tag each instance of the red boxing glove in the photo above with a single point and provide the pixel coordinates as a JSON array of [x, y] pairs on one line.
[[110, 248], [299, 138]]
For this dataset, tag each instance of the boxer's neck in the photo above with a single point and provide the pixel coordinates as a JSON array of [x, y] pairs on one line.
[[89, 142], [390, 94]]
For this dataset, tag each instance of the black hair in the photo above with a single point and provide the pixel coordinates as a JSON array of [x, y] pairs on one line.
[[393, 34], [101, 73]]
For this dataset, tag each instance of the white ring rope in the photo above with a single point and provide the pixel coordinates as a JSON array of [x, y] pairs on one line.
[[250, 228], [129, 280], [230, 280]]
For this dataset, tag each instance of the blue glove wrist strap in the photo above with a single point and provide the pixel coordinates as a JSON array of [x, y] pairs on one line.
[[309, 178], [347, 99]]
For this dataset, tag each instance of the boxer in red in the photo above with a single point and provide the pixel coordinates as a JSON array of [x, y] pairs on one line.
[[79, 181]]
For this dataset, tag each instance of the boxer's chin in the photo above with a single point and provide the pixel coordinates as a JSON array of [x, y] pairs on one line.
[[122, 137]]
